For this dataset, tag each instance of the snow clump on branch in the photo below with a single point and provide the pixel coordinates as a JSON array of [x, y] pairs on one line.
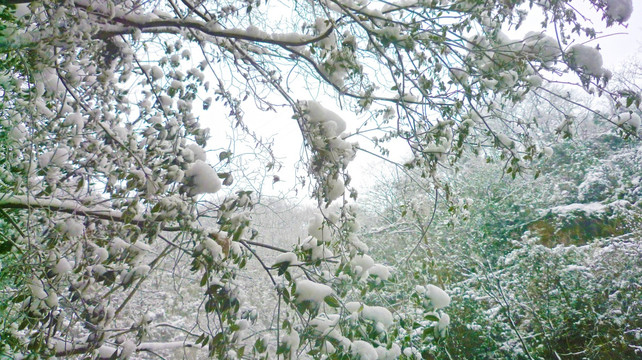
[[586, 58], [324, 130], [542, 47], [438, 298], [619, 10], [202, 179], [307, 290], [629, 119]]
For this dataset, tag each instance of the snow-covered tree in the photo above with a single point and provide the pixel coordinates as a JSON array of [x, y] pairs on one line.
[[537, 267], [106, 187]]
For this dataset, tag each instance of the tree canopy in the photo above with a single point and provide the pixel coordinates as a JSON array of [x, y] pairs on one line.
[[110, 184]]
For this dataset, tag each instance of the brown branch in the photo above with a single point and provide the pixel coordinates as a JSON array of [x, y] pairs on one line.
[[12, 222], [265, 246]]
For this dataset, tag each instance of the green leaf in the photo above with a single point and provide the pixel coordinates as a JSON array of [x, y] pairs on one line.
[[204, 278], [428, 331], [431, 317], [283, 267], [283, 348], [259, 346], [332, 301], [224, 155], [5, 247]]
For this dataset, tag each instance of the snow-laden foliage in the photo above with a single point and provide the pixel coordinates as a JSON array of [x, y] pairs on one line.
[[111, 186], [536, 268]]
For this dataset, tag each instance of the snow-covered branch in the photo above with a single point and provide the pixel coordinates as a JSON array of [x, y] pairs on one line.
[[129, 23], [65, 348]]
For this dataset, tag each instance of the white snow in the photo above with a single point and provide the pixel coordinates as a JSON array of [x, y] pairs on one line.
[[377, 314], [444, 321], [156, 73], [576, 268], [541, 46], [140, 247], [336, 188], [36, 287], [116, 244], [177, 85], [629, 118], [327, 348], [57, 157], [52, 300], [437, 296], [357, 243], [157, 346], [362, 263], [321, 252], [459, 75], [307, 290], [51, 81], [18, 133], [215, 249], [381, 271], [332, 123], [202, 179], [166, 101], [489, 83], [199, 153], [62, 267], [292, 341], [363, 350], [288, 257], [318, 251], [619, 10], [353, 306], [319, 230], [586, 58], [22, 10], [141, 270], [411, 352], [505, 140], [325, 323], [73, 228], [590, 208], [101, 254], [60, 346], [388, 354], [535, 80], [128, 349]]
